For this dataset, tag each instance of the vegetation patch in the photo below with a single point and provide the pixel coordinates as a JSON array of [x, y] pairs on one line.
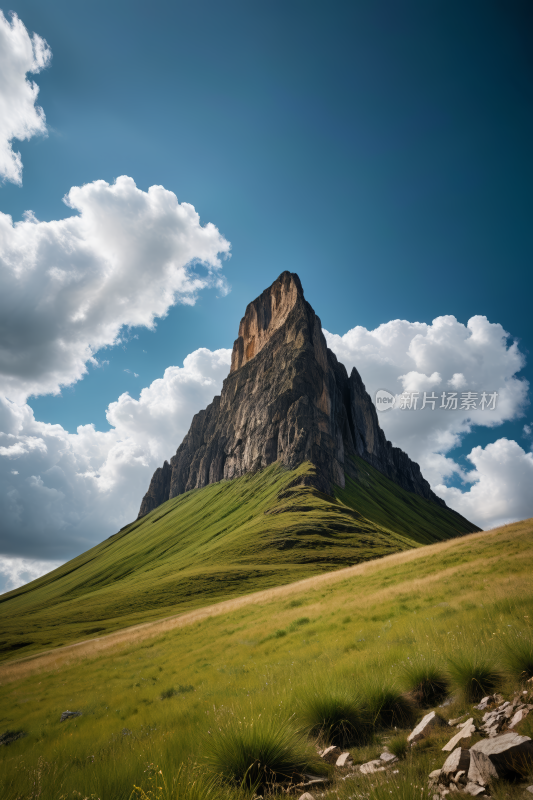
[[240, 679], [261, 752], [474, 676], [172, 692], [426, 682], [226, 540]]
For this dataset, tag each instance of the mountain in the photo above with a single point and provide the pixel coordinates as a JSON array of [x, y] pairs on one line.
[[287, 400], [284, 476]]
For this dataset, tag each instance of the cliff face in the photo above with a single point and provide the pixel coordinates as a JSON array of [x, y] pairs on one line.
[[287, 399]]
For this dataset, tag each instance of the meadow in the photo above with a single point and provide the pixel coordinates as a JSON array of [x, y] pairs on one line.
[[226, 540], [156, 704]]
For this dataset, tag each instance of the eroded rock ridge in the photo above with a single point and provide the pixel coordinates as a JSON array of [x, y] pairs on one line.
[[286, 399]]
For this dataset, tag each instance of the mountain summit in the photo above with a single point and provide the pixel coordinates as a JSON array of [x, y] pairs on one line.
[[286, 399]]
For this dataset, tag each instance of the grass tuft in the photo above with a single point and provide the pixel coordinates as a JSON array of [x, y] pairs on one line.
[[185, 784], [388, 708], [518, 657], [259, 753], [426, 683], [336, 715], [474, 676], [399, 746]]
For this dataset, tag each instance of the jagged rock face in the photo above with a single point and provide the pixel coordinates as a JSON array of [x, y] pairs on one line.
[[158, 491], [287, 399], [263, 317]]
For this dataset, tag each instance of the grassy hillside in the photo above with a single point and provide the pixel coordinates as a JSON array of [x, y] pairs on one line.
[[158, 700], [224, 540]]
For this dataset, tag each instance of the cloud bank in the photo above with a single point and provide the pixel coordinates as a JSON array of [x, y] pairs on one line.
[[69, 286], [20, 118], [62, 493]]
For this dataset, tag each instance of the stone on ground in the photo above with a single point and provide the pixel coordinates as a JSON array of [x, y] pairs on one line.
[[331, 754], [456, 761], [425, 726], [481, 769], [68, 714], [474, 789], [344, 760], [465, 732], [518, 717], [506, 751], [372, 766]]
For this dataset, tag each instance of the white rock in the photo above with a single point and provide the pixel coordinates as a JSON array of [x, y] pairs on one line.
[[372, 766], [307, 796], [518, 717], [458, 760], [481, 769], [452, 722], [464, 733], [505, 750], [390, 758], [344, 760], [474, 789], [331, 754], [460, 777], [529, 789], [485, 702], [427, 724]]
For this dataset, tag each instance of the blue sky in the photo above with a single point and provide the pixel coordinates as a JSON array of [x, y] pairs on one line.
[[380, 150]]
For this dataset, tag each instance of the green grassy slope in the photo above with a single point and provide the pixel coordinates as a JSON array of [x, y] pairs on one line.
[[225, 540], [379, 499], [465, 596]]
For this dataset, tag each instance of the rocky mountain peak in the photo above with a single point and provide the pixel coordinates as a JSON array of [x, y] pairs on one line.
[[286, 399], [264, 316]]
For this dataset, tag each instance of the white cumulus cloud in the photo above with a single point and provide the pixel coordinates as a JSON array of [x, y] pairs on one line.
[[501, 492], [20, 117], [62, 493], [69, 286]]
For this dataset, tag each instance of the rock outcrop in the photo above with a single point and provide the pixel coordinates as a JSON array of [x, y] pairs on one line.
[[286, 399]]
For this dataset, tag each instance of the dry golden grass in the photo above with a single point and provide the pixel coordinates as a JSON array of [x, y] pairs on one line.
[[62, 656]]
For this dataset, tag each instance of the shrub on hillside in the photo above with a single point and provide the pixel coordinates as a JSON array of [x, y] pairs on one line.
[[335, 714], [258, 753], [426, 683], [474, 676], [388, 708], [518, 657]]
